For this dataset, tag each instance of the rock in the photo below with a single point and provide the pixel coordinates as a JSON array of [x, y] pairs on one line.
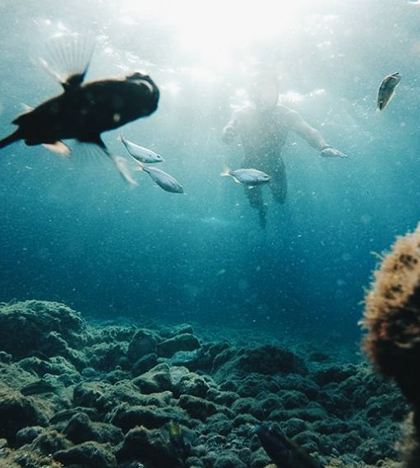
[[5, 358], [334, 374], [90, 394], [293, 427], [266, 360], [181, 329], [144, 342], [259, 459], [229, 460], [144, 364], [56, 365], [17, 412], [89, 454], [28, 434], [184, 342], [148, 447], [156, 380], [81, 429], [34, 322], [50, 441], [222, 398], [191, 384], [151, 417], [106, 356], [197, 408]]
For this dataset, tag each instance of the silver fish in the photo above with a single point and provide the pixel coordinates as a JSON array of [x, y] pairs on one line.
[[387, 90], [249, 177], [161, 178], [141, 154]]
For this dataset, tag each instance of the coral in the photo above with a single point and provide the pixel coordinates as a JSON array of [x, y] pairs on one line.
[[392, 316]]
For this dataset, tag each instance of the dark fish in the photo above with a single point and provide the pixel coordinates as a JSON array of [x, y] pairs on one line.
[[282, 451], [85, 110], [387, 90]]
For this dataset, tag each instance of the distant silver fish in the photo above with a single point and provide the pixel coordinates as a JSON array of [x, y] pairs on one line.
[[141, 154], [161, 178], [387, 90], [249, 177]]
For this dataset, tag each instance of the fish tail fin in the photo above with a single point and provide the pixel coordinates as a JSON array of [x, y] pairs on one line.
[[226, 172], [121, 165], [119, 162], [140, 166], [15, 136]]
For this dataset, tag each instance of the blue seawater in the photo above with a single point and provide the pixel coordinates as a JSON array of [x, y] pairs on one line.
[[72, 231]]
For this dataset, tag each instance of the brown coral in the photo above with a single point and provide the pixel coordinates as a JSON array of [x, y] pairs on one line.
[[392, 316]]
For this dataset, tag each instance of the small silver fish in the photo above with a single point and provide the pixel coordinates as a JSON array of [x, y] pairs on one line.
[[387, 90], [141, 154], [249, 177], [161, 178]]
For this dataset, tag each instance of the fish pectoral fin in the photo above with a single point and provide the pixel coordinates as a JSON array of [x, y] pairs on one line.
[[67, 58], [121, 165], [58, 147]]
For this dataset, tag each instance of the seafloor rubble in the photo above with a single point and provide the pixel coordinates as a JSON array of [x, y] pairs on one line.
[[88, 395]]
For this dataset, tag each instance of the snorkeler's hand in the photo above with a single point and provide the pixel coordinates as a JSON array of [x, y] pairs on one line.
[[329, 152], [228, 135]]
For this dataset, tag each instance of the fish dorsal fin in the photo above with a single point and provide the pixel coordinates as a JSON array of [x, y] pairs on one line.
[[67, 57], [74, 80]]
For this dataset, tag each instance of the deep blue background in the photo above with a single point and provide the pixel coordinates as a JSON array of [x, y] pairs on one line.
[[72, 231]]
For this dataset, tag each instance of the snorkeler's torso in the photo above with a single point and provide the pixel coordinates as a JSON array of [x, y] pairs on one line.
[[263, 132]]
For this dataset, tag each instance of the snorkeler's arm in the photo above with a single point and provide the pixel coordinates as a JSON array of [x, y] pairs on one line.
[[312, 136], [230, 130]]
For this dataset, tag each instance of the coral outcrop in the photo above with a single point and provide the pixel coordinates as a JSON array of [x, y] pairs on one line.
[[392, 318]]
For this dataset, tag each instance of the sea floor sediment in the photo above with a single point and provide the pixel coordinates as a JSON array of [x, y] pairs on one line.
[[77, 392]]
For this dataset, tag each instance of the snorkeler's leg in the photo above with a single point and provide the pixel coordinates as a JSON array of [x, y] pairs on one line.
[[255, 198], [278, 182]]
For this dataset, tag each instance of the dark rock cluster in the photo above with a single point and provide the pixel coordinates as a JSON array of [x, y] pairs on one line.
[[74, 394]]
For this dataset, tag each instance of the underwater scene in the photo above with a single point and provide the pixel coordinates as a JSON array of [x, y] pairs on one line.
[[210, 250]]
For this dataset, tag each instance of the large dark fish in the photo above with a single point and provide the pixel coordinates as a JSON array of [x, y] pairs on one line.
[[387, 90], [85, 110], [282, 451]]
